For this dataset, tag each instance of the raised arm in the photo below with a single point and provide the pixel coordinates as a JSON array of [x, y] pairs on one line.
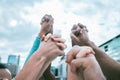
[[41, 59], [110, 67], [46, 27]]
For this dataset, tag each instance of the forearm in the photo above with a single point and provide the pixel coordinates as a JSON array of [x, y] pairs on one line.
[[48, 74], [33, 69], [110, 67], [41, 33]]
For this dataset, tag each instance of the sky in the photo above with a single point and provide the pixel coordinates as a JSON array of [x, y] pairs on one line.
[[20, 22]]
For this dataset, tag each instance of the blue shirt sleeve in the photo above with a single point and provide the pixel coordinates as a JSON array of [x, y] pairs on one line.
[[34, 48]]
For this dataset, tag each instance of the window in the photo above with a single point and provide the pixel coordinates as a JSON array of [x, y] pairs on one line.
[[106, 48]]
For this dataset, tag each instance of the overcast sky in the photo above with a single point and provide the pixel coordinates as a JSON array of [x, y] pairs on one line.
[[19, 22]]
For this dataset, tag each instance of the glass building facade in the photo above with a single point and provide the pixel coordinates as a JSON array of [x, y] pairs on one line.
[[13, 64], [62, 70], [112, 48], [13, 59]]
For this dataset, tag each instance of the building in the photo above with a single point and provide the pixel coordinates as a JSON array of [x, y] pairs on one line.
[[62, 70], [0, 59], [112, 47], [13, 59], [13, 69], [13, 64]]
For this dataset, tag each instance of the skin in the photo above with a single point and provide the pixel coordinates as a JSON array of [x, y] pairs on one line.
[[83, 65], [47, 38], [46, 27], [110, 67], [42, 58], [5, 74]]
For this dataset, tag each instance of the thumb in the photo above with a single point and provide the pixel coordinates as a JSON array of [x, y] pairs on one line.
[[74, 39], [77, 64]]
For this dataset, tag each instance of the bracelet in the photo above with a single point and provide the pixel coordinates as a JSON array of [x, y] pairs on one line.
[[43, 37]]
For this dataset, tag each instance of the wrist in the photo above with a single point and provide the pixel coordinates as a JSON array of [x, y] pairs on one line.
[[41, 33], [91, 44]]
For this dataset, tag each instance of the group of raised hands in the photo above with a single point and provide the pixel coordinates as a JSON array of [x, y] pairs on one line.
[[84, 59]]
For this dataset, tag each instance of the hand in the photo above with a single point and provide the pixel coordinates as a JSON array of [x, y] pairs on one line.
[[74, 54], [52, 47], [55, 38], [83, 64], [46, 25], [79, 35]]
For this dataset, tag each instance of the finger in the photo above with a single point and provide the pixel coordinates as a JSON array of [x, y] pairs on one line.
[[81, 25], [74, 38], [73, 67], [74, 27], [61, 53], [46, 18], [47, 37], [49, 18], [56, 36], [84, 51], [77, 64], [59, 40], [51, 21], [72, 54], [43, 20], [85, 29], [61, 46], [76, 32]]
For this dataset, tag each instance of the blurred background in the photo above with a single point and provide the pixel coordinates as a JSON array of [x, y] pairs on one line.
[[20, 24]]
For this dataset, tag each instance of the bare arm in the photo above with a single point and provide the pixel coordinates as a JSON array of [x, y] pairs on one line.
[[33, 69], [110, 67], [42, 58]]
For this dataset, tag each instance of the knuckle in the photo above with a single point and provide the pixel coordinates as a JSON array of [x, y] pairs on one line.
[[76, 46], [87, 47], [73, 63]]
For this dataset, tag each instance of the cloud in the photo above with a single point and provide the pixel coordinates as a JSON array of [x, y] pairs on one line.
[[98, 16], [19, 21], [13, 23]]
